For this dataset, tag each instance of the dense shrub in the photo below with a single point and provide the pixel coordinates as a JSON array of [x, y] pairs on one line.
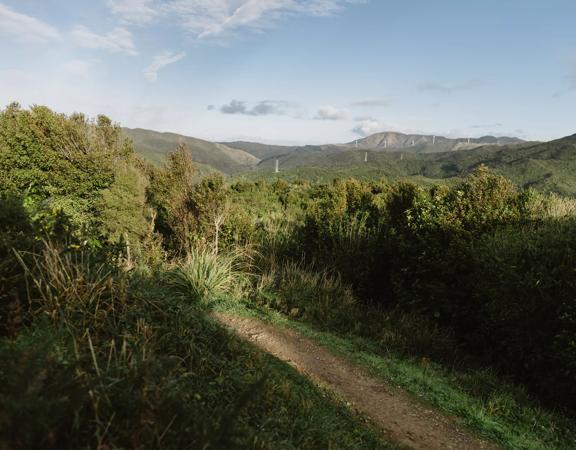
[[16, 233], [524, 280], [480, 258], [61, 161]]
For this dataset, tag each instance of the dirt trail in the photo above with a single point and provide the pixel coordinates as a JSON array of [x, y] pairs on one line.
[[404, 419]]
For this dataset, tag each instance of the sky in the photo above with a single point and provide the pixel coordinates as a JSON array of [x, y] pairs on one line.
[[298, 71]]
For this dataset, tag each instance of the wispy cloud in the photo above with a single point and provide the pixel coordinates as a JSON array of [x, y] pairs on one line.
[[119, 40], [217, 18], [263, 108], [372, 103], [18, 27], [160, 61], [135, 11], [449, 88], [332, 113]]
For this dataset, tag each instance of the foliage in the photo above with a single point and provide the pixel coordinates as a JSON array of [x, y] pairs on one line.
[[187, 211], [128, 366], [428, 251], [16, 232], [124, 211], [107, 264], [205, 274], [58, 159]]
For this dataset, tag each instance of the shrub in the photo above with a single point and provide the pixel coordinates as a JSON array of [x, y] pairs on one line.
[[525, 283], [317, 296], [16, 233]]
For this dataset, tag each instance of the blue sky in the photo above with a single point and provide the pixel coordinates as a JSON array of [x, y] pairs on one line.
[[298, 71]]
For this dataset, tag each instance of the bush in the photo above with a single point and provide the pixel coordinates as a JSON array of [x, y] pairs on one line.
[[525, 283], [316, 296], [16, 233]]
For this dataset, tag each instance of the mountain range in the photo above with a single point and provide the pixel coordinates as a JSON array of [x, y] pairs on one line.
[[549, 166]]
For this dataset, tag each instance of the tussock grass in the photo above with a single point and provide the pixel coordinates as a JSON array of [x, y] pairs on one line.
[[204, 274], [63, 281]]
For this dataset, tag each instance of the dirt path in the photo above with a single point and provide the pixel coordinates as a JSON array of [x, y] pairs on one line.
[[403, 419]]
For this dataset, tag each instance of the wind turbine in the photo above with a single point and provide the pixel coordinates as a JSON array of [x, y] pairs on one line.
[[277, 170]]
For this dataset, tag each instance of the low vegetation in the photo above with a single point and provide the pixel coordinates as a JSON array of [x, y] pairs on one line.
[[462, 293]]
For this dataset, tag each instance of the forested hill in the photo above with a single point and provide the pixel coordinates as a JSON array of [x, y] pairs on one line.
[[549, 166]]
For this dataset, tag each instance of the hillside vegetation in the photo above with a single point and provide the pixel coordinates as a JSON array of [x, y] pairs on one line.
[[155, 146], [545, 166], [463, 293]]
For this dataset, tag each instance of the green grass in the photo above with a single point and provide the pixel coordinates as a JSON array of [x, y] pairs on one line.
[[490, 407], [111, 360]]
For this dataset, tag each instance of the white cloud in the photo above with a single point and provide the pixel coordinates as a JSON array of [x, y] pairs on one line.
[[368, 127], [160, 61], [22, 28], [119, 40], [332, 113], [134, 11], [210, 18], [215, 18]]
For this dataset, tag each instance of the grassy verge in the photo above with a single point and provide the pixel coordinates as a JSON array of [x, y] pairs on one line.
[[490, 407]]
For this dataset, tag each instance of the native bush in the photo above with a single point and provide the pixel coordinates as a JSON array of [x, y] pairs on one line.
[[524, 280], [16, 232], [57, 158]]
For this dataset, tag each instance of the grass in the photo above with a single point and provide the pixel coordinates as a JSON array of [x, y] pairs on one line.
[[207, 274], [134, 366], [480, 400]]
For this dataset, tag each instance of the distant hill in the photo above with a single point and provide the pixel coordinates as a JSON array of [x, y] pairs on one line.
[[262, 151], [417, 143], [385, 142], [154, 146], [549, 166]]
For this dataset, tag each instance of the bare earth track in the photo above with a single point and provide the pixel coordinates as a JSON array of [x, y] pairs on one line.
[[402, 418]]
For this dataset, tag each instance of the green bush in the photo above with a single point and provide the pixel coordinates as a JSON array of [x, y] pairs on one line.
[[493, 264], [61, 161], [524, 281], [16, 233]]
